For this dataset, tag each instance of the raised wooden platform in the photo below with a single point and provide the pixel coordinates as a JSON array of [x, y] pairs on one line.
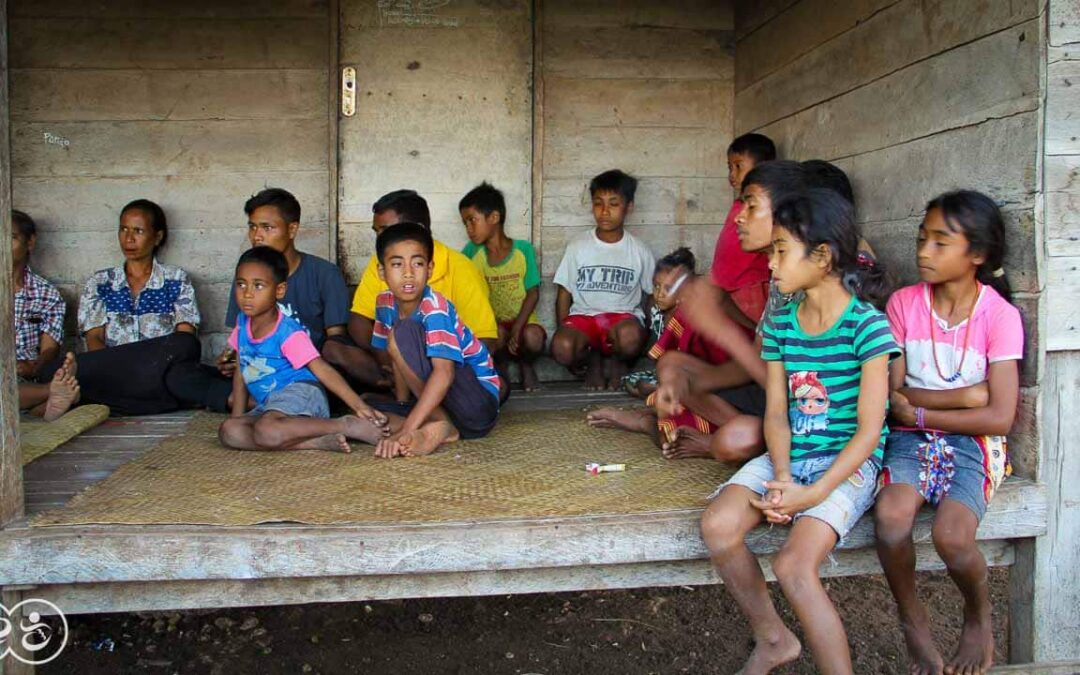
[[128, 568]]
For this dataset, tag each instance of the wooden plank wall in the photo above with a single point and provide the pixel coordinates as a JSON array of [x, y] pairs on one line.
[[444, 102], [1050, 616], [195, 104], [911, 98], [645, 87]]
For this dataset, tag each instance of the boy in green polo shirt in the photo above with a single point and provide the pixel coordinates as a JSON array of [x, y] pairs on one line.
[[509, 265]]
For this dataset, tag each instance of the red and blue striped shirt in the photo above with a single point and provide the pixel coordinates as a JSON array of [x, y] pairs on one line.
[[447, 336]]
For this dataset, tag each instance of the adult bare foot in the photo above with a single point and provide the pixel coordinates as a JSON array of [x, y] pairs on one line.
[[641, 420], [334, 442], [427, 438], [529, 380], [687, 443], [923, 656], [63, 393], [772, 653], [594, 374], [70, 365], [618, 371], [975, 654], [360, 429]]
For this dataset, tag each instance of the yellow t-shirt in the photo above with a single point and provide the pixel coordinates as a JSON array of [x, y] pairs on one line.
[[454, 276], [510, 280]]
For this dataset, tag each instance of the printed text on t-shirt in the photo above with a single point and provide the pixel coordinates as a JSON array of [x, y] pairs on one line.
[[606, 279]]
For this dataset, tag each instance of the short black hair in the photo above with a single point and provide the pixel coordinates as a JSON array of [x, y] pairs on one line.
[[614, 181], [154, 214], [779, 178], [410, 206], [758, 147], [272, 258], [822, 174], [680, 257], [282, 200], [485, 198], [404, 232], [23, 224]]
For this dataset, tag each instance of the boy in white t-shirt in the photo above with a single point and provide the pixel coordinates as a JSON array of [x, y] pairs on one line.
[[604, 279]]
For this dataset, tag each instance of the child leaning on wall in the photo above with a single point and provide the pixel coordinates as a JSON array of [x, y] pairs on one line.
[[509, 266]]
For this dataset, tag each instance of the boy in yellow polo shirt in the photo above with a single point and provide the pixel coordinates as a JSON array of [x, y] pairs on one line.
[[452, 275], [509, 265]]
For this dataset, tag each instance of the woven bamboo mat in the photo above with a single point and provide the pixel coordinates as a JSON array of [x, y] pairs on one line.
[[531, 466], [37, 437]]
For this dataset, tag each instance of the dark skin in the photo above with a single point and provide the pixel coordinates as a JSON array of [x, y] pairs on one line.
[[138, 240], [523, 342], [737, 510], [406, 268], [48, 347], [267, 227], [628, 338], [257, 294], [947, 263]]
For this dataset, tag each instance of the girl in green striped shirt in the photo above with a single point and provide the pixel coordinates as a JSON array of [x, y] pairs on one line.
[[827, 358]]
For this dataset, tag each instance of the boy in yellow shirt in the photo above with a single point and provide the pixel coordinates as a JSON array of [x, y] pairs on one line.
[[509, 266]]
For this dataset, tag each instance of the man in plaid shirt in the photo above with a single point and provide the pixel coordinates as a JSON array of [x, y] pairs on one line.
[[39, 329]]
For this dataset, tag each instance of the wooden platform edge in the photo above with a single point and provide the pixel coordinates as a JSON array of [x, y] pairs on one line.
[[205, 594], [60, 555]]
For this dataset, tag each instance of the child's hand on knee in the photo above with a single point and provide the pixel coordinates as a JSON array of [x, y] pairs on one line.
[[769, 504]]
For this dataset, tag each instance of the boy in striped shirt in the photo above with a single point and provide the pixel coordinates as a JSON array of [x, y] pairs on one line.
[[434, 356]]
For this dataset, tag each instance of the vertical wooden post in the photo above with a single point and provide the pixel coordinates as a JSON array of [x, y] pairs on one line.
[[11, 489], [333, 149]]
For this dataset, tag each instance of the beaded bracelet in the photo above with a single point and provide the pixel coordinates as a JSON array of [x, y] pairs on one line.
[[920, 418]]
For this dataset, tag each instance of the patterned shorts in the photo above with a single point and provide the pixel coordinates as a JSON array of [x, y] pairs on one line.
[[966, 469]]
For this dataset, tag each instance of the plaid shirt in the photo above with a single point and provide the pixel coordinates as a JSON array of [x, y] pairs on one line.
[[38, 309], [167, 299]]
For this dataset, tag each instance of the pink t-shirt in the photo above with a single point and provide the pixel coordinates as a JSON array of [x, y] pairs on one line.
[[732, 267], [997, 334]]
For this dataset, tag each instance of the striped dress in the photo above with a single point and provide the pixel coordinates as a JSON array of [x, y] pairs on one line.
[[824, 372]]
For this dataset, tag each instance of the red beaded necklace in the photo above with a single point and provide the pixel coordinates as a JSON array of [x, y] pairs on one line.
[[967, 333]]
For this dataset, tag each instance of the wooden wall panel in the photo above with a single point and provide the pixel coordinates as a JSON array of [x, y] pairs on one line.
[[443, 103], [648, 90], [196, 105]]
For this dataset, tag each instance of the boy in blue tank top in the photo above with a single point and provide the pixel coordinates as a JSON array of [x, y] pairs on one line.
[[280, 368]]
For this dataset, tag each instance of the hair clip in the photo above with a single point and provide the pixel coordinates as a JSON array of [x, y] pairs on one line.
[[864, 259], [999, 272]]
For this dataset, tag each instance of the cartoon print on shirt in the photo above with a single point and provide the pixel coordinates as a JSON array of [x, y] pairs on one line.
[[811, 410]]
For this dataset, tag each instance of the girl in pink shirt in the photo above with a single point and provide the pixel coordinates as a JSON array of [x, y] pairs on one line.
[[954, 396]]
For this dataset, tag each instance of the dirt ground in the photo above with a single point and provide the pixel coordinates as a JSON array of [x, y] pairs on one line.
[[671, 630]]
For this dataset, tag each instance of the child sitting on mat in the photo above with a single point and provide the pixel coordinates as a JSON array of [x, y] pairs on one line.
[[679, 264], [435, 356], [280, 368]]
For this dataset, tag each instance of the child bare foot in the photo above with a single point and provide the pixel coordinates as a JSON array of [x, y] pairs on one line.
[[923, 656], [594, 374], [333, 442], [687, 443], [360, 429], [63, 393], [619, 370], [772, 653], [641, 420], [975, 654], [529, 380], [427, 438]]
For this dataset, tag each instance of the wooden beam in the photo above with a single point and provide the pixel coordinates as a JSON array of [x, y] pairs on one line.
[[11, 490], [179, 595], [145, 553], [537, 220]]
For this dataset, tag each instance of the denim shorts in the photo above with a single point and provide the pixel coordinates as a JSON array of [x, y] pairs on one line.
[[966, 469], [299, 399], [840, 510]]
